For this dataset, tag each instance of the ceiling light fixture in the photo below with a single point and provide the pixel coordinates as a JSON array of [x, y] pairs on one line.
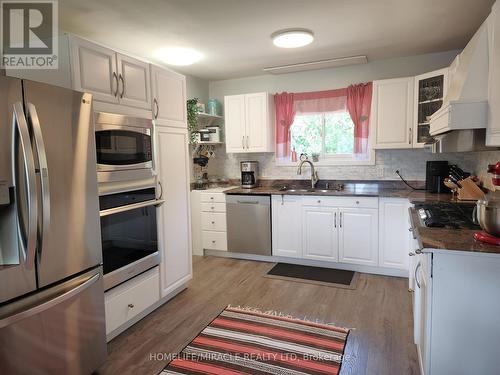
[[292, 38], [178, 56]]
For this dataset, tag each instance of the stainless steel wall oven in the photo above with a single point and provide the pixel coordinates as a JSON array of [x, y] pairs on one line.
[[129, 234]]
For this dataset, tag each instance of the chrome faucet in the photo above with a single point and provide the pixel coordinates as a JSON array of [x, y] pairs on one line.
[[314, 174]]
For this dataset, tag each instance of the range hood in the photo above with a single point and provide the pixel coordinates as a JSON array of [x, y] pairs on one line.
[[458, 141], [465, 106]]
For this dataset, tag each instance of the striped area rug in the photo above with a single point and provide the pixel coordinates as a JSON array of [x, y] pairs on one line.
[[245, 341]]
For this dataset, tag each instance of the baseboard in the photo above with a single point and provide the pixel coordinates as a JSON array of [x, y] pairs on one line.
[[315, 263], [144, 313]]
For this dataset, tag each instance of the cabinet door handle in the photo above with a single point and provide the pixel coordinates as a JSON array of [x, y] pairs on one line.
[[115, 77], [248, 143], [340, 221], [131, 306], [157, 108], [416, 274], [243, 142], [410, 136], [335, 220], [120, 77]]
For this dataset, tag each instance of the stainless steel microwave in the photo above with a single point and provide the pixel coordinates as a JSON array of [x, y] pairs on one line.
[[124, 150]]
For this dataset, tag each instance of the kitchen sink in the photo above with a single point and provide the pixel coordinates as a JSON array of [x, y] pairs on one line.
[[339, 187]]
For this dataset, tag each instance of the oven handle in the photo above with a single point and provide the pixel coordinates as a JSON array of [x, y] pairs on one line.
[[129, 207]]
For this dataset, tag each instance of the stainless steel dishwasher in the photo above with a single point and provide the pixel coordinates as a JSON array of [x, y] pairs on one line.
[[249, 224]]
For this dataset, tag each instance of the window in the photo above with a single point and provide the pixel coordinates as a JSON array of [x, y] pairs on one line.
[[329, 135]]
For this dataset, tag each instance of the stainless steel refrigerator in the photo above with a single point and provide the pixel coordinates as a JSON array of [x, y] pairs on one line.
[[51, 292]]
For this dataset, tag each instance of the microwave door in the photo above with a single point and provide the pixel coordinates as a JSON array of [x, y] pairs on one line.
[[63, 135], [18, 208], [122, 147]]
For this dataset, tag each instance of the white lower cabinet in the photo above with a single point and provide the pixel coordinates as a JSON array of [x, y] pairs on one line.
[[394, 237], [320, 235], [213, 221], [174, 224], [129, 299], [287, 226], [358, 236], [332, 229]]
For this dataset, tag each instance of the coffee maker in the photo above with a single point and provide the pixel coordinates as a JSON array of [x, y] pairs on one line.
[[436, 172], [249, 170]]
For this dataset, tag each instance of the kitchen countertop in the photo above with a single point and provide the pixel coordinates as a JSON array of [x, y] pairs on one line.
[[448, 239], [350, 189], [429, 238]]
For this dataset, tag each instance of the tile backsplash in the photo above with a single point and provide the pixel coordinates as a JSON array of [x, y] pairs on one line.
[[410, 163]]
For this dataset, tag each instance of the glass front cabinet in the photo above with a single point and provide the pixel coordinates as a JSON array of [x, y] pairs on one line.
[[430, 89]]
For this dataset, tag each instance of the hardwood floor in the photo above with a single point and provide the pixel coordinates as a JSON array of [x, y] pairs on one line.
[[378, 310]]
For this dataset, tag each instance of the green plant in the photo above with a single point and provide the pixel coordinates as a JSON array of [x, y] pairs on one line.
[[192, 119]]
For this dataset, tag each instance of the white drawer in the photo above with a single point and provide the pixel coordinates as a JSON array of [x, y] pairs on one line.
[[213, 221], [213, 197], [351, 202], [214, 240], [130, 298], [213, 207]]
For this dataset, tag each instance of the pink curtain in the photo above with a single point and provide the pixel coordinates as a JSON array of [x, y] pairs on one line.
[[285, 113], [359, 100], [320, 101]]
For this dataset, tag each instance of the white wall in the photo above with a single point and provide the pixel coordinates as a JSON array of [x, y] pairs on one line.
[[197, 88], [327, 79], [410, 162]]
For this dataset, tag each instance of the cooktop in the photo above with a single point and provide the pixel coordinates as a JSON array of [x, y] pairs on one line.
[[446, 215]]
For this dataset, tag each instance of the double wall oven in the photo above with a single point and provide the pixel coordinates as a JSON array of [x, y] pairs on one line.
[[127, 196]]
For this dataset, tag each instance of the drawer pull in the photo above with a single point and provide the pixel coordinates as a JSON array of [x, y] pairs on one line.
[[357, 202], [212, 207], [213, 241], [212, 198], [319, 201], [213, 222], [130, 305]]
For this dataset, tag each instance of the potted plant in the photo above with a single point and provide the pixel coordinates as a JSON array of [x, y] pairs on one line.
[[192, 119]]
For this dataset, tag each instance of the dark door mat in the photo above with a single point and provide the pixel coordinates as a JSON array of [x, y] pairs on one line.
[[316, 275]]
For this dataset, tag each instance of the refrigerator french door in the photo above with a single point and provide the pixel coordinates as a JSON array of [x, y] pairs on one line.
[[51, 290]]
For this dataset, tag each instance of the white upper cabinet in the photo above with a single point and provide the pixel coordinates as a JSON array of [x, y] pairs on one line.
[[94, 70], [395, 239], [430, 90], [134, 80], [320, 234], [358, 236], [234, 117], [169, 97], [256, 115], [493, 129], [109, 76], [392, 113], [287, 226], [249, 122]]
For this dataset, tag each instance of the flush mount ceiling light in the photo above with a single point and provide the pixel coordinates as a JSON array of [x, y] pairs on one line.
[[178, 56], [292, 38]]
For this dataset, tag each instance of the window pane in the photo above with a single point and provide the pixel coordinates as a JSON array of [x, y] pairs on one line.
[[306, 134], [339, 133]]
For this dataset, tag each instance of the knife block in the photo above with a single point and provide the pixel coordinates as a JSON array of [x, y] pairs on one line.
[[469, 191]]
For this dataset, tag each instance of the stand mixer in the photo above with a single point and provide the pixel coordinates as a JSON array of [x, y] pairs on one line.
[[487, 212]]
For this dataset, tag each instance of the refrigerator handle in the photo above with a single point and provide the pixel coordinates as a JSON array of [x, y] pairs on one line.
[[9, 320], [19, 122], [43, 170]]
